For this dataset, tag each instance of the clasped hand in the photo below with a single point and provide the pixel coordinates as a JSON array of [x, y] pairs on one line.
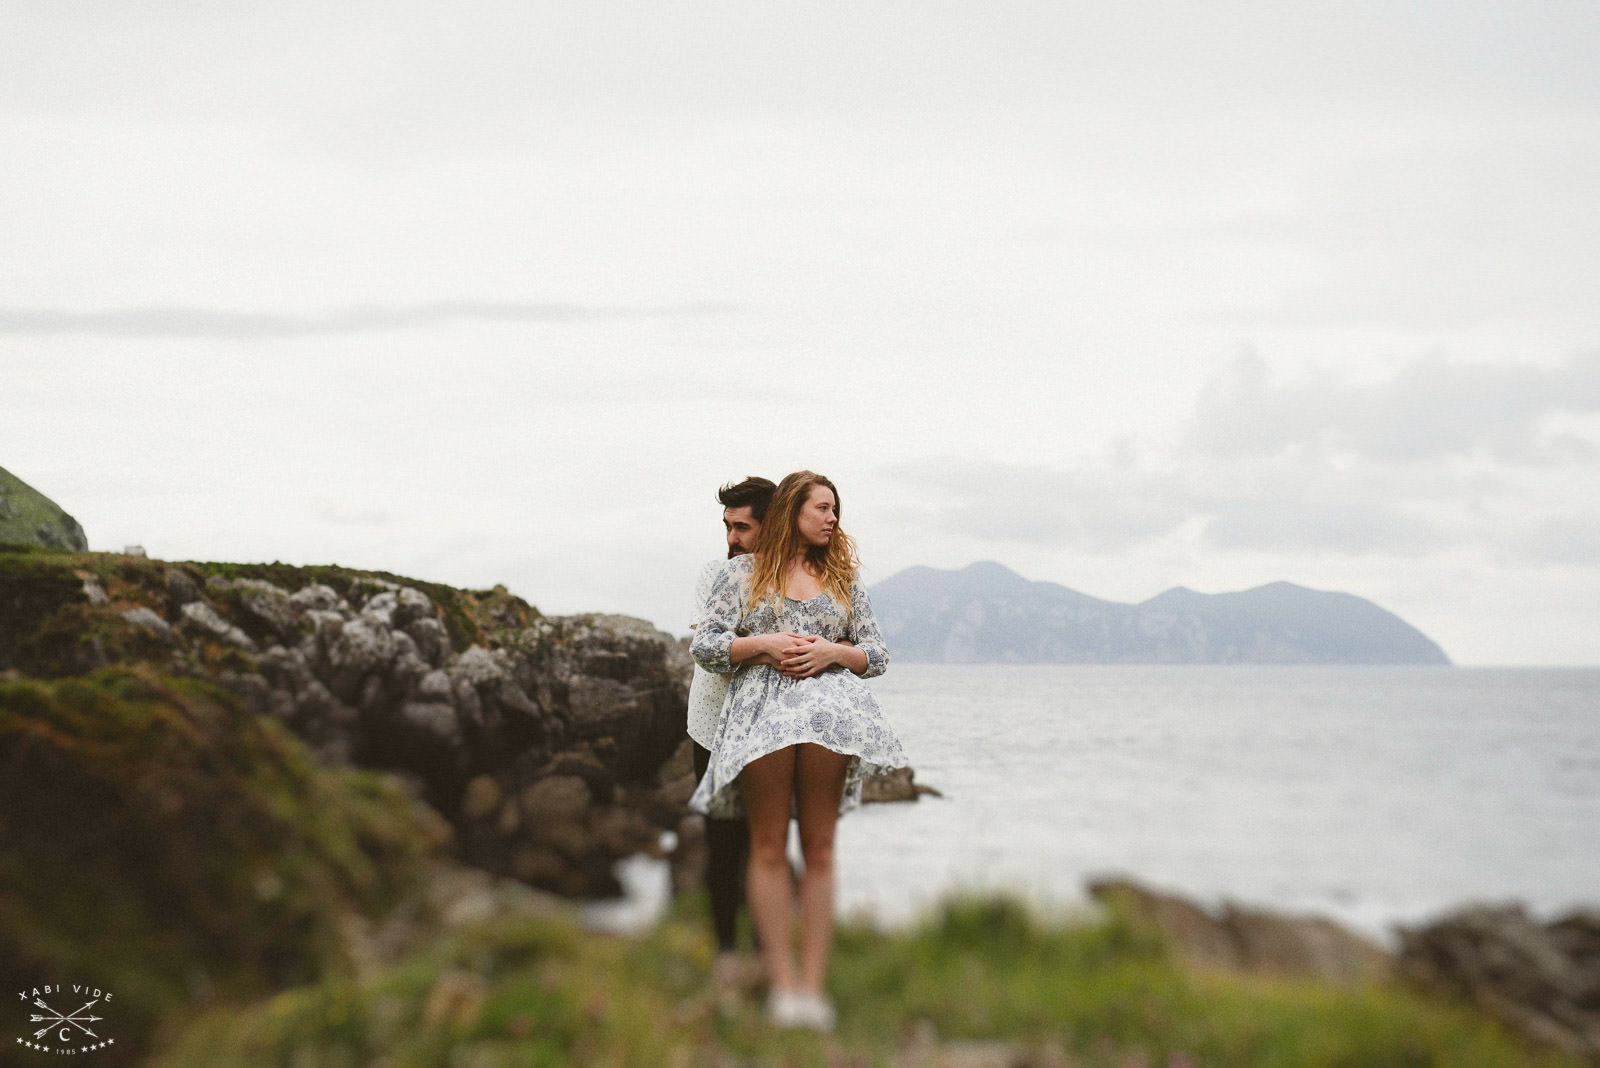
[[799, 656]]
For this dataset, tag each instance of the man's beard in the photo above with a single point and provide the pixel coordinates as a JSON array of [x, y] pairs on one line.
[[736, 550]]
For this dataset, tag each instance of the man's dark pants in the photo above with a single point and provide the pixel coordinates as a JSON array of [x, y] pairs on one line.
[[728, 851]]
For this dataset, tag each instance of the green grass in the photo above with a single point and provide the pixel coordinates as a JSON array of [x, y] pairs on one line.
[[159, 839], [1104, 991]]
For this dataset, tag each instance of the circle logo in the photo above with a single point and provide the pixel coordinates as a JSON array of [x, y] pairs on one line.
[[61, 1028]]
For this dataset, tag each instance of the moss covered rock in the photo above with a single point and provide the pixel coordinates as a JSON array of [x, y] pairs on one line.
[[28, 517], [160, 838]]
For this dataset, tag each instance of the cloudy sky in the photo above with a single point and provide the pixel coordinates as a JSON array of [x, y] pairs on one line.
[[1124, 297]]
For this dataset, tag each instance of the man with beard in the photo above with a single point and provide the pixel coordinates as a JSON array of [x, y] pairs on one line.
[[744, 506]]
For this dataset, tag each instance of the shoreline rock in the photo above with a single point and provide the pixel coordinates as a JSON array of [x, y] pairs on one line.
[[1541, 980], [1252, 940], [898, 785]]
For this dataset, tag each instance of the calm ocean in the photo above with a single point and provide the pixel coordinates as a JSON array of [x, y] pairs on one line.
[[1371, 795]]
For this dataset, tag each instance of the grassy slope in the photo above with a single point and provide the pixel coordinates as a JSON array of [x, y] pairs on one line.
[[1097, 994], [159, 839], [25, 511]]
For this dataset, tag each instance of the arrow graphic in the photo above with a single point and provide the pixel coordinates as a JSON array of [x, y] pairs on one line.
[[60, 1019]]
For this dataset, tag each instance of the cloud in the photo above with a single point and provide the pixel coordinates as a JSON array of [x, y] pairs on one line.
[[1566, 539], [330, 511], [1096, 509], [1105, 506], [1274, 525], [1484, 458], [1429, 410], [156, 321]]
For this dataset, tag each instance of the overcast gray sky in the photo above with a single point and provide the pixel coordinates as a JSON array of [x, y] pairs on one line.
[[1121, 296]]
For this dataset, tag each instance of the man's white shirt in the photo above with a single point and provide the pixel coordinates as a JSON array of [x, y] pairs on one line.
[[707, 690]]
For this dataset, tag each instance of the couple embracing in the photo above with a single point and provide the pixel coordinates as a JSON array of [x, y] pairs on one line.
[[787, 623]]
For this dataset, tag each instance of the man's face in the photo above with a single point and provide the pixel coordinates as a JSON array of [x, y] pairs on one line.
[[742, 527]]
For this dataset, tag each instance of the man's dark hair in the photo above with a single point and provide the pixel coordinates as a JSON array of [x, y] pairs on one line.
[[755, 491]]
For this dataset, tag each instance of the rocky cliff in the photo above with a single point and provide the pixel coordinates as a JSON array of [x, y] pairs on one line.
[[986, 613], [546, 742]]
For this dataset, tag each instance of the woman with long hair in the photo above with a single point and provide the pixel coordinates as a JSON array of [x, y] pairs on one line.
[[799, 737]]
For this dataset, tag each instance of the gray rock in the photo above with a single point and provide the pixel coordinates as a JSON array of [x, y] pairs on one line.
[[200, 618], [620, 830], [405, 648], [360, 648], [555, 799], [316, 704], [257, 585], [510, 697], [467, 701], [897, 785], [374, 698], [481, 799], [270, 607], [321, 619], [436, 718], [315, 596], [145, 619], [251, 688], [1251, 940], [366, 589], [95, 592], [286, 668], [1543, 980], [413, 605], [479, 666], [433, 642], [181, 589], [600, 706], [382, 607], [435, 686], [408, 668]]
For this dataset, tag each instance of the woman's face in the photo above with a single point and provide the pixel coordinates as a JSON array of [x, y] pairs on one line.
[[818, 516]]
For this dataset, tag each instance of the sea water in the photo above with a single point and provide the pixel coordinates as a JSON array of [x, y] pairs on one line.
[[1370, 795]]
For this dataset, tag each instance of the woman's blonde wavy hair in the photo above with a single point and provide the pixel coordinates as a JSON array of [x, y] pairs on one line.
[[834, 564]]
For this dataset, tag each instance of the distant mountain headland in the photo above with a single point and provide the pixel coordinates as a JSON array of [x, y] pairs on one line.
[[987, 613]]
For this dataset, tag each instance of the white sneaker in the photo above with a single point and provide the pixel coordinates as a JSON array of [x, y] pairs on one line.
[[783, 1008], [814, 1011]]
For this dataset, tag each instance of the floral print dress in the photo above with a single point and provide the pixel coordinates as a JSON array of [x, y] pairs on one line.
[[766, 711]]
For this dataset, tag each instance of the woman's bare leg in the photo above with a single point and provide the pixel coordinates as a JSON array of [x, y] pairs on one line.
[[768, 784], [819, 783]]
